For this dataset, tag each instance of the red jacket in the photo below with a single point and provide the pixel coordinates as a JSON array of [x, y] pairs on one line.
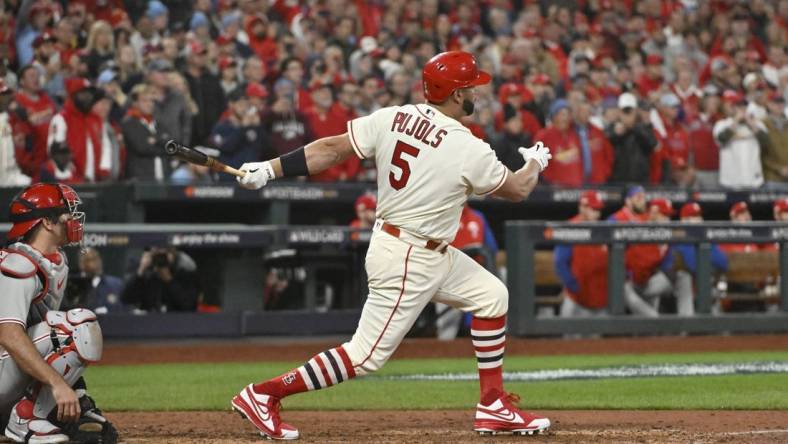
[[566, 167], [79, 129], [39, 113], [642, 261], [326, 124], [675, 144], [702, 144], [471, 231], [589, 266], [626, 215]]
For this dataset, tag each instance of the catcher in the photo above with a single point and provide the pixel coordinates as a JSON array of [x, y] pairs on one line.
[[43, 351]]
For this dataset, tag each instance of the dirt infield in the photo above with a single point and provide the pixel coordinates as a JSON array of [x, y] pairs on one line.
[[454, 426], [448, 426]]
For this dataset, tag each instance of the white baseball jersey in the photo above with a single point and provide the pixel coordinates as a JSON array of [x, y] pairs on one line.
[[428, 164]]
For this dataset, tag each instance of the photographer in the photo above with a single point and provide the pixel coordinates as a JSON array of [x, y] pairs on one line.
[[633, 142], [165, 280]]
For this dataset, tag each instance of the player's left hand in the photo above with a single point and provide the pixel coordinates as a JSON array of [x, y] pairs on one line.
[[539, 152], [256, 175]]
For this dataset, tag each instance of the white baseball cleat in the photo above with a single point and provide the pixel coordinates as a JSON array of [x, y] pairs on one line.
[[263, 411], [24, 427], [502, 415]]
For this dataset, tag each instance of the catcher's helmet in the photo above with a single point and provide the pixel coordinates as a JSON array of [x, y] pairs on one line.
[[45, 200], [449, 71]]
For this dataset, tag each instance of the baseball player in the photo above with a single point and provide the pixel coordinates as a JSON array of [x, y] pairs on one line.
[[43, 352], [428, 163], [634, 209]]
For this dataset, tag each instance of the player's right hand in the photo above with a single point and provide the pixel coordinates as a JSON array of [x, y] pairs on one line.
[[67, 402], [538, 152], [256, 175]]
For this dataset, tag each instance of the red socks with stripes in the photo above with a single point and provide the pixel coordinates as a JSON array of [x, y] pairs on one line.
[[489, 339], [323, 370]]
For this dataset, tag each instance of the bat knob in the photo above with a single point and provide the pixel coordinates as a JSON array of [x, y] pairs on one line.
[[171, 147]]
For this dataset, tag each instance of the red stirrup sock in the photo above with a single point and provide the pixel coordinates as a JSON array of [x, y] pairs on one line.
[[323, 370], [489, 339]]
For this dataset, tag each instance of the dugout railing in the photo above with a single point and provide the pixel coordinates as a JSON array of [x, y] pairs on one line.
[[523, 238]]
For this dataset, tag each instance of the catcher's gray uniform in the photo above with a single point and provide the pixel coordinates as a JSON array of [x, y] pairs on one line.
[[32, 287]]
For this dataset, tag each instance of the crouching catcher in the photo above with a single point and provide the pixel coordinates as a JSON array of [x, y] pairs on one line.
[[43, 351]]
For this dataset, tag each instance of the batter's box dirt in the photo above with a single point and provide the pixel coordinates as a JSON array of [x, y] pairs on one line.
[[454, 426]]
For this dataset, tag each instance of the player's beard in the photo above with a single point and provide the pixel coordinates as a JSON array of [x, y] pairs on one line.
[[467, 107]]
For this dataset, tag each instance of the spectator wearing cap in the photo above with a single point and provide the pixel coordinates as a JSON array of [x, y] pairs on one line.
[[703, 148], [78, 128], [35, 108], [740, 214], [365, 207], [231, 30], [326, 121], [100, 47], [582, 269], [172, 113], [10, 147], [740, 152], [238, 135], [681, 262], [773, 137], [574, 162], [511, 138], [228, 74], [541, 87], [517, 95], [118, 100], [206, 91], [145, 159], [262, 39], [47, 62], [646, 282], [634, 208], [31, 23], [672, 138], [146, 32], [257, 95], [60, 167], [652, 79], [633, 143]]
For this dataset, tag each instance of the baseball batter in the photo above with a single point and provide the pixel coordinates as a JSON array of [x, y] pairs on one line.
[[43, 352], [428, 163]]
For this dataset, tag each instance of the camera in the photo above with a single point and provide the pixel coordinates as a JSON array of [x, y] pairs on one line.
[[160, 260]]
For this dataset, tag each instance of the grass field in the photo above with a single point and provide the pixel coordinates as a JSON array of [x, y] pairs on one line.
[[160, 387]]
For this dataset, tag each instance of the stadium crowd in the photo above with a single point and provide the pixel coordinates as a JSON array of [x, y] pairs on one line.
[[690, 93]]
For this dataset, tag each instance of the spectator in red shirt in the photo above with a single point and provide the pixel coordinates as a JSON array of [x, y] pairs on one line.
[[262, 39], [517, 95], [651, 80], [347, 100], [576, 160], [38, 111], [673, 140], [326, 121], [646, 283], [365, 207], [582, 269], [704, 149]]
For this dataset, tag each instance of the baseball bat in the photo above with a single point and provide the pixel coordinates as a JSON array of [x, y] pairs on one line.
[[188, 154]]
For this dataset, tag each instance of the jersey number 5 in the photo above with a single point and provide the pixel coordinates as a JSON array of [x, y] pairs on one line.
[[398, 161]]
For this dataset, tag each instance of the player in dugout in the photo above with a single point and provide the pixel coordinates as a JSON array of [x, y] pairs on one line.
[[582, 268], [43, 351], [428, 164]]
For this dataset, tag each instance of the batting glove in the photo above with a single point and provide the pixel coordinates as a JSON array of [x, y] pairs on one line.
[[257, 174], [539, 153]]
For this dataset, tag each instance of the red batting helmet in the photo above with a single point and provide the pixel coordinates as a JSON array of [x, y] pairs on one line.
[[449, 71], [45, 200]]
